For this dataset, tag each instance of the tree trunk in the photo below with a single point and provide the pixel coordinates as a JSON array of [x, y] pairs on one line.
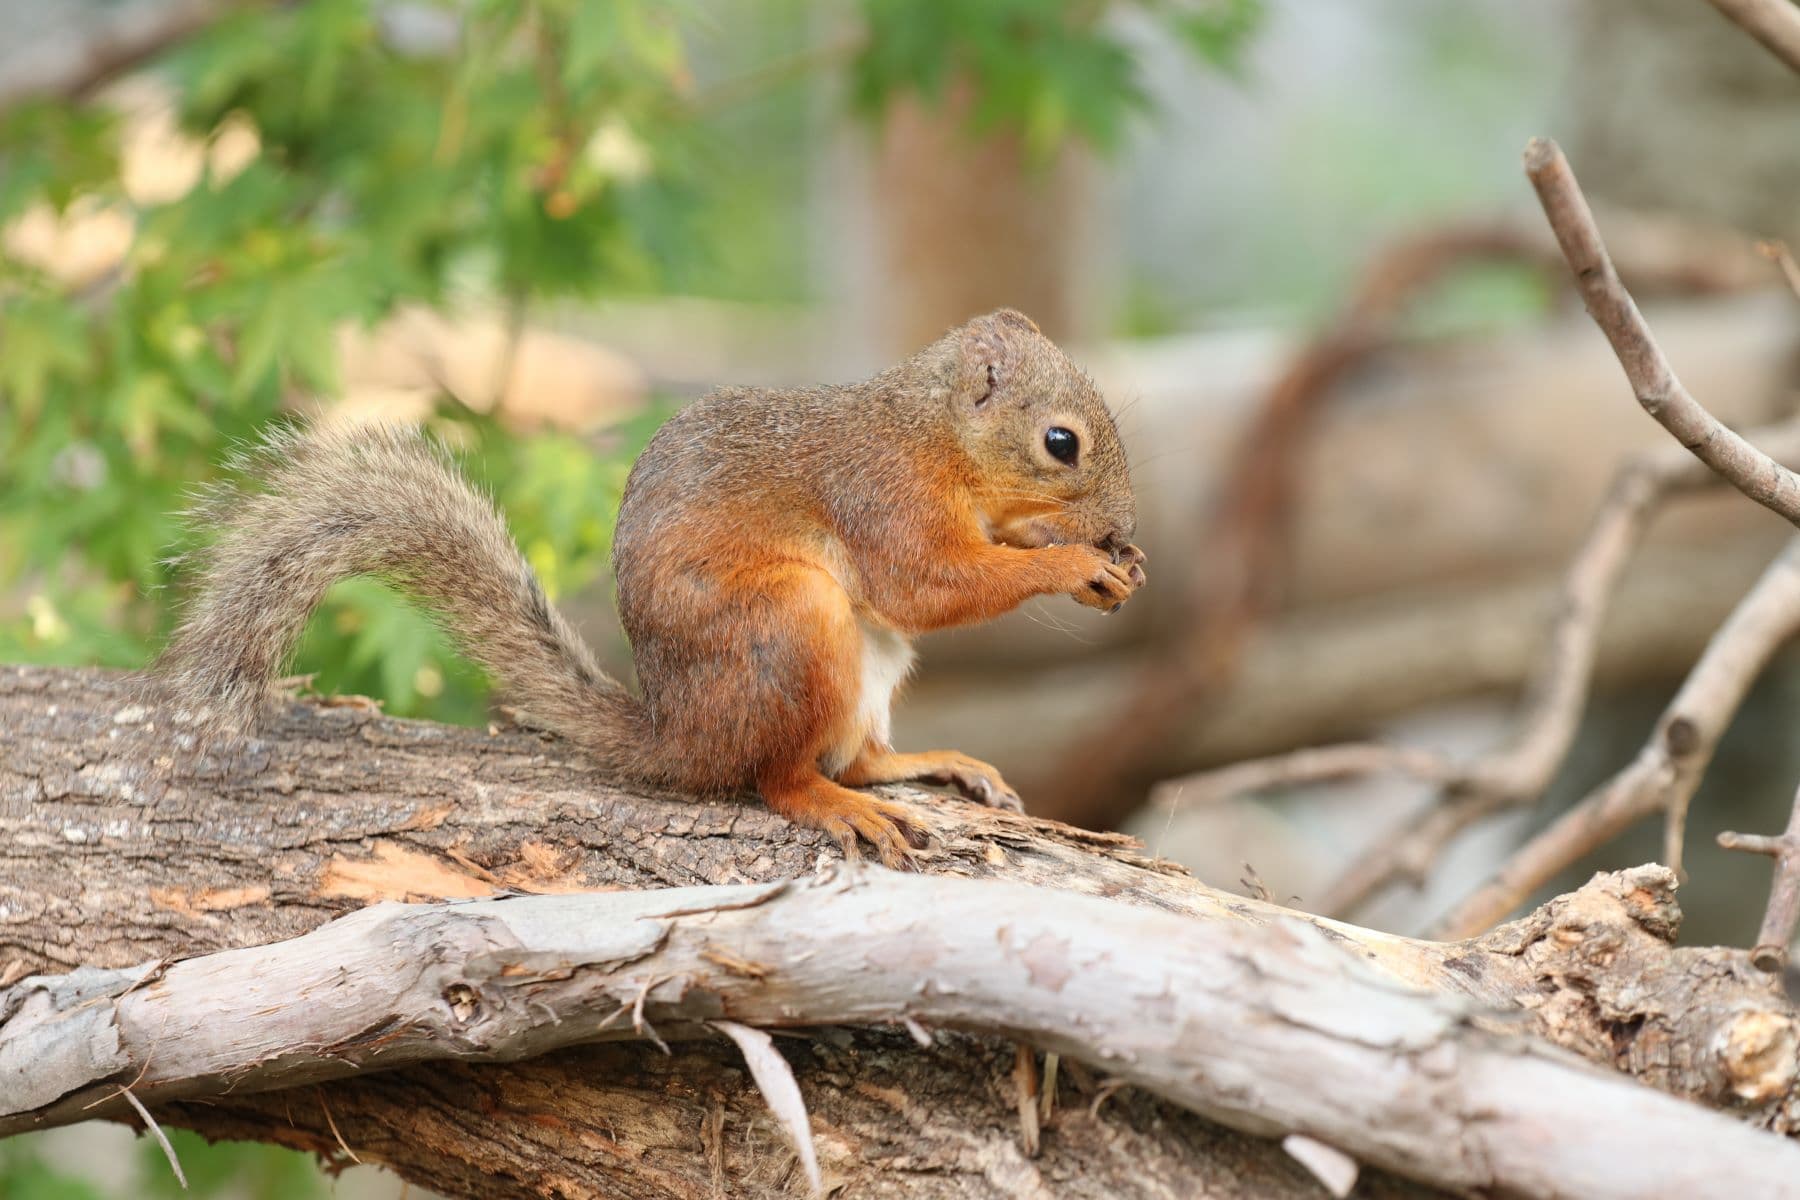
[[117, 846], [964, 223]]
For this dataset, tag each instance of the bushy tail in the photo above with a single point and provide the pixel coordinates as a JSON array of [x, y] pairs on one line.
[[384, 501]]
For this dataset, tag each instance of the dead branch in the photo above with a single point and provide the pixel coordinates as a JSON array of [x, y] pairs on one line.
[[1309, 765], [1783, 910], [1774, 23], [1193, 1012], [1652, 379], [114, 848], [1778, 253], [1665, 773], [1242, 571], [1517, 773]]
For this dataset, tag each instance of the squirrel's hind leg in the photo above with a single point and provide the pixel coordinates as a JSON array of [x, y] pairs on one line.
[[771, 689], [973, 778]]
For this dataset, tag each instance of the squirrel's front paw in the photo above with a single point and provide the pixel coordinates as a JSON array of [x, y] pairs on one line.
[[1113, 579]]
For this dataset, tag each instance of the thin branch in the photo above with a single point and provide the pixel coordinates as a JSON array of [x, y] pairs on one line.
[[1666, 772], [162, 1139], [1652, 379], [759, 81], [331, 1121], [1517, 773], [1236, 581], [1778, 253], [1774, 23], [1309, 765], [1783, 910]]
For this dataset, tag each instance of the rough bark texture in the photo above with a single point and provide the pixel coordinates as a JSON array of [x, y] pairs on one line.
[[117, 847], [621, 1120]]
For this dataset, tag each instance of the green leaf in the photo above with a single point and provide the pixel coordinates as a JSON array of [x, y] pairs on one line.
[[43, 341]]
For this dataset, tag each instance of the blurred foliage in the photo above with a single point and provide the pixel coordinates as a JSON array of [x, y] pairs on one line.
[[228, 1170], [415, 153], [532, 151], [1049, 69]]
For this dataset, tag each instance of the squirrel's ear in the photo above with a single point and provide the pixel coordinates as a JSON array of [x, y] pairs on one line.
[[990, 345]]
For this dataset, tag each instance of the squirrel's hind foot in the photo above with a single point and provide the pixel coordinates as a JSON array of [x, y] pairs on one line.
[[817, 803]]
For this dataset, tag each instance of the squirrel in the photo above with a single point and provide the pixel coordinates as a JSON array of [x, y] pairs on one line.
[[776, 553]]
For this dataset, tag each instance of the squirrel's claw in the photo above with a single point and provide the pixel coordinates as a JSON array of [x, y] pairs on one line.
[[1117, 576], [851, 818], [975, 779]]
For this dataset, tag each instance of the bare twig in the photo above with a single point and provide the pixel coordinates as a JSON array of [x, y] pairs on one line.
[[1774, 23], [1778, 253], [1517, 773], [162, 1139], [1335, 1170], [1783, 911], [1237, 579], [1665, 773], [1658, 390], [331, 1123], [1312, 764], [760, 81]]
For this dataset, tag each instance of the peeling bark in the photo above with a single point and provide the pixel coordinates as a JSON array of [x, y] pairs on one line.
[[1270, 1029], [117, 847]]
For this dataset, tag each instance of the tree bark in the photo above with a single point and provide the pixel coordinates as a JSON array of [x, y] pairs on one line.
[[1267, 1028], [117, 846]]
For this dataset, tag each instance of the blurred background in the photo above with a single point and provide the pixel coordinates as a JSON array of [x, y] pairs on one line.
[[1292, 242]]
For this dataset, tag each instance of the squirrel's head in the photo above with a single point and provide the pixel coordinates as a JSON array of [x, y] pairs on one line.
[[1051, 467]]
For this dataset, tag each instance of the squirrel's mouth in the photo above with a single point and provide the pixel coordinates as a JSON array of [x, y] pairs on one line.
[[1063, 529]]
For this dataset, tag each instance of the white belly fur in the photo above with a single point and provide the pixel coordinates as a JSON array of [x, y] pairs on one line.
[[887, 659]]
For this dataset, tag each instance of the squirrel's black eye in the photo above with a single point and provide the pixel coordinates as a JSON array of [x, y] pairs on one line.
[[1062, 443]]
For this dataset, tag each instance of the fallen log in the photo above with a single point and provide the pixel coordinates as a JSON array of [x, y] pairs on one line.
[[117, 848]]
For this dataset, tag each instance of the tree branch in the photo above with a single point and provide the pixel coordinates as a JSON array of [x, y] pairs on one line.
[[1192, 1011], [1236, 580], [1516, 773], [116, 847], [1666, 772], [1783, 910], [1749, 470], [1778, 253], [1774, 23]]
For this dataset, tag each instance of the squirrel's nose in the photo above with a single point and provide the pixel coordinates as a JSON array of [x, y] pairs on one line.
[[1119, 538]]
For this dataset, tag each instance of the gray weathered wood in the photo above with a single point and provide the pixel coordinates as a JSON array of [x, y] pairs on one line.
[[1269, 1028]]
